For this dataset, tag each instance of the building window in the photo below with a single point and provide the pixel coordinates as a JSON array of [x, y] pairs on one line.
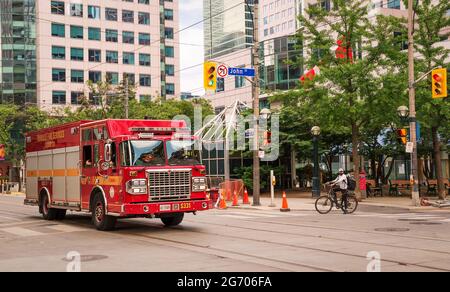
[[76, 10], [94, 99], [95, 55], [77, 76], [58, 30], [75, 97], [170, 89], [127, 16], [168, 33], [220, 84], [76, 32], [170, 52], [112, 78], [111, 35], [76, 54], [59, 75], [145, 80], [147, 2], [145, 98], [168, 14], [93, 12], [130, 77], [170, 70], [112, 57], [128, 58], [111, 14], [393, 4], [58, 53], [57, 7], [95, 76], [144, 18], [94, 34], [59, 97], [144, 39], [144, 59], [128, 37], [239, 82]]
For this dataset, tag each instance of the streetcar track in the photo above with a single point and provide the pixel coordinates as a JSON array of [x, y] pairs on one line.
[[330, 238], [291, 245]]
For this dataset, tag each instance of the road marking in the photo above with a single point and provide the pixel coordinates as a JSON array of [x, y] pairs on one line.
[[22, 232], [66, 228], [10, 218], [236, 216], [405, 216]]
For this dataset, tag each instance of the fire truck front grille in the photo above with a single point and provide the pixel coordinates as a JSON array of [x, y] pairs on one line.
[[170, 185]]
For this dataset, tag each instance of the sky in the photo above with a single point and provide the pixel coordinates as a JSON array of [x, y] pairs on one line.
[[191, 45]]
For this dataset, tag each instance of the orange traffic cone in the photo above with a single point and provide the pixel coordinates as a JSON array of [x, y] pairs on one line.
[[246, 200], [285, 206], [235, 200], [222, 204], [229, 195]]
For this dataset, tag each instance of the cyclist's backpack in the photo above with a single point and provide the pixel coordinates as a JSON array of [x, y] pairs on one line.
[[351, 183]]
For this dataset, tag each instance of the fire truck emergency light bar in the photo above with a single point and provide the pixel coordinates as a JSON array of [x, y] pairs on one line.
[[150, 129]]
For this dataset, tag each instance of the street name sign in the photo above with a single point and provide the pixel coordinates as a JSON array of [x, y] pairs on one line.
[[244, 72]]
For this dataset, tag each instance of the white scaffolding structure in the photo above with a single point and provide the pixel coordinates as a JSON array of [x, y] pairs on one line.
[[221, 130]]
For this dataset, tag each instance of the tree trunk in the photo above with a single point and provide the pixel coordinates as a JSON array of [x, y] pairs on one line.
[[438, 163], [374, 170], [356, 162]]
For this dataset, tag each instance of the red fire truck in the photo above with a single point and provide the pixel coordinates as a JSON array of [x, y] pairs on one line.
[[116, 169]]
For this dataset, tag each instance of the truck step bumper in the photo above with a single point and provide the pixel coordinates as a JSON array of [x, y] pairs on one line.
[[165, 208]]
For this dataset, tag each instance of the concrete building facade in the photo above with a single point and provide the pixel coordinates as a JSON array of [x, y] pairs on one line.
[[109, 40]]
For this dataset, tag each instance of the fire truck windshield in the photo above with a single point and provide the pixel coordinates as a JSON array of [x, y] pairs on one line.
[[143, 153], [182, 153]]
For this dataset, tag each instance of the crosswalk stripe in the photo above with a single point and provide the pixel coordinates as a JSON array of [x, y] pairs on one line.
[[65, 228], [22, 232], [236, 216]]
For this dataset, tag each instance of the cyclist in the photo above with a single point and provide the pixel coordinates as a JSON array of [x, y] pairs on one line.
[[340, 184]]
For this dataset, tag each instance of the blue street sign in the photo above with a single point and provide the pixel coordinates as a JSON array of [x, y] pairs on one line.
[[241, 72], [418, 131]]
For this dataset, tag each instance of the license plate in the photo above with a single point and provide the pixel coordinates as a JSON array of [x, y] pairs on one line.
[[164, 208], [185, 206]]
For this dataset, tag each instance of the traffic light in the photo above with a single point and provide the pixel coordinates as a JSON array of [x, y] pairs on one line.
[[267, 138], [402, 135], [439, 80], [2, 152], [210, 76]]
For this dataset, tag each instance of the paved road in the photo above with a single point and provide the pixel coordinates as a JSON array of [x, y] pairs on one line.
[[231, 240]]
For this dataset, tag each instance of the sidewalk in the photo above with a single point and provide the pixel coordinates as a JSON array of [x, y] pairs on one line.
[[13, 194], [304, 202]]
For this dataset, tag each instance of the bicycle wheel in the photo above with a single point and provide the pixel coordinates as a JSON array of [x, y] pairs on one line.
[[324, 205], [352, 205]]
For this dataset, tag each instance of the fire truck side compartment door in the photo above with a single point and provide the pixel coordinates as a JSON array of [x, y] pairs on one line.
[[32, 179], [73, 175]]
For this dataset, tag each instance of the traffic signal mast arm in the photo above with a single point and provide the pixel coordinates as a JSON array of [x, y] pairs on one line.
[[426, 75]]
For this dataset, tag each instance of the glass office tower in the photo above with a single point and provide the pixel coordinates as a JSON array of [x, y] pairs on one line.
[[18, 52]]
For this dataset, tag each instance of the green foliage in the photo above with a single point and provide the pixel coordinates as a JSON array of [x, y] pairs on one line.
[[246, 174]]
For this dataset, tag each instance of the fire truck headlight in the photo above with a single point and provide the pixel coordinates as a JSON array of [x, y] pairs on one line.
[[137, 187], [199, 184]]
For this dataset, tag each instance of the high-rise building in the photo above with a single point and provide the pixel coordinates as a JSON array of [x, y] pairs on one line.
[[228, 26], [73, 41], [17, 51]]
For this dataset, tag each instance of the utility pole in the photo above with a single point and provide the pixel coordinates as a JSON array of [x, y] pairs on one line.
[[255, 95], [127, 99], [412, 106]]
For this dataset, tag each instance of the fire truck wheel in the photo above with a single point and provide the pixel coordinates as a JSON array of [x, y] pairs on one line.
[[61, 215], [102, 221], [173, 220], [48, 213]]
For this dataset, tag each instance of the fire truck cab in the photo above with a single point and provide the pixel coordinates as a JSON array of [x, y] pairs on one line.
[[116, 169]]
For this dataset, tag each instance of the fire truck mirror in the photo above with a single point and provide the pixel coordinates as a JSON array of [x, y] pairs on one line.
[[108, 152]]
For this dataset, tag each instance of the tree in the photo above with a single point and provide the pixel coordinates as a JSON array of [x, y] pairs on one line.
[[357, 84], [431, 29]]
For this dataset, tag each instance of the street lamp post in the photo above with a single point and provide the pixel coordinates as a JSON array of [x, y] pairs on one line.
[[315, 131]]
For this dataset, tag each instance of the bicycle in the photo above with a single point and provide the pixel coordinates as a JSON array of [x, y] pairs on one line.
[[325, 204]]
